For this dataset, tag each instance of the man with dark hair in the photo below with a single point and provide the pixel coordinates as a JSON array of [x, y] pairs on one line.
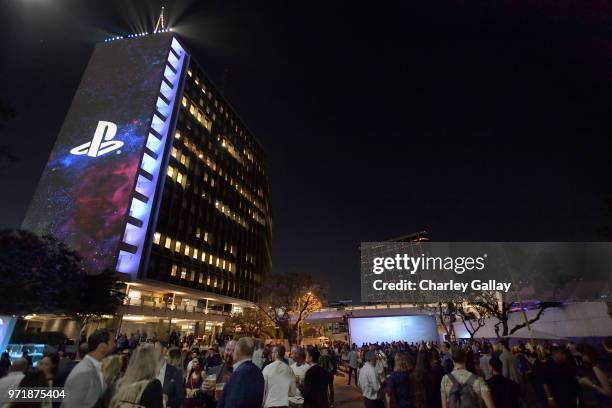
[[505, 392], [460, 385], [170, 377], [279, 380], [85, 383], [447, 362], [315, 390], [561, 384]]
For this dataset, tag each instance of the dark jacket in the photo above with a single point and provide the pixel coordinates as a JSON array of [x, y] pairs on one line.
[[245, 388], [315, 388], [174, 387], [152, 396], [505, 392]]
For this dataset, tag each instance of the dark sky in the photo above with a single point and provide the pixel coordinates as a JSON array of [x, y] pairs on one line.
[[476, 122]]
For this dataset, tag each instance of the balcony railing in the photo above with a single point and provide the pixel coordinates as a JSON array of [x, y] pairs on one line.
[[140, 306]]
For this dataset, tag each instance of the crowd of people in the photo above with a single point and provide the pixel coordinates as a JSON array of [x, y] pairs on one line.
[[116, 371]]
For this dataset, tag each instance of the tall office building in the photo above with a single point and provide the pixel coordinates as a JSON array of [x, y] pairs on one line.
[[154, 175]]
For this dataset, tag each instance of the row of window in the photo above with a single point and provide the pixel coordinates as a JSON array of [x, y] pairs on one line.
[[201, 256], [242, 190]]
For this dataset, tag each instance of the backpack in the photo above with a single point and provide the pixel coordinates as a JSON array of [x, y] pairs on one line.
[[462, 395]]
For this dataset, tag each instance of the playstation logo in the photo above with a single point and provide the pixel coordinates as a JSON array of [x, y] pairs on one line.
[[101, 143]]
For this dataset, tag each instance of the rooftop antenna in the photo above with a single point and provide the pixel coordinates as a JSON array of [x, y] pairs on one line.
[[161, 22]]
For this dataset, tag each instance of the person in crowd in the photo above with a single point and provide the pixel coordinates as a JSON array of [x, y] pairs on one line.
[[5, 364], [32, 379], [461, 387], [315, 388], [111, 371], [595, 382], [213, 358], [13, 378], [445, 355], [65, 369], [326, 361], [266, 357], [504, 392], [139, 385], [245, 387], [26, 354], [485, 356], [85, 383], [174, 358], [299, 366], [193, 383], [353, 364], [398, 388], [422, 381], [279, 381], [48, 365], [508, 361], [258, 355], [369, 382], [561, 384], [170, 377], [437, 373]]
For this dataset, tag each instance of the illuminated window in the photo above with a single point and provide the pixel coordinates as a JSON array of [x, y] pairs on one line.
[[203, 256], [208, 280], [183, 272], [170, 171], [182, 159], [206, 236], [184, 102], [156, 238], [179, 178], [189, 72], [201, 278], [168, 243], [177, 135], [177, 246], [192, 109], [173, 271], [187, 249], [174, 152], [192, 275], [217, 263], [215, 283], [210, 260], [223, 265], [195, 253]]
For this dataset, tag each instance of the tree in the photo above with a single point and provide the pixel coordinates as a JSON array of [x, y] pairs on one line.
[[288, 299], [250, 322], [42, 275], [473, 316]]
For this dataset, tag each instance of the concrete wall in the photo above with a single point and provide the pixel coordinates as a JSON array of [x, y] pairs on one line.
[[585, 319]]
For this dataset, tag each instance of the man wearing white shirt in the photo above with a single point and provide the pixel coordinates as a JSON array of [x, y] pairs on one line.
[[369, 382], [279, 381], [300, 366], [14, 377]]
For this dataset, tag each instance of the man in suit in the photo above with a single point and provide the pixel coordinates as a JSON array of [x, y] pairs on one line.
[[316, 382], [245, 388], [170, 377], [85, 384]]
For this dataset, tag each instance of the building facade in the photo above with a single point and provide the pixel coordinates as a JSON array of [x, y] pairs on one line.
[[155, 176]]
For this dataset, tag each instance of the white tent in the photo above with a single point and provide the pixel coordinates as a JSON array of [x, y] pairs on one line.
[[526, 333]]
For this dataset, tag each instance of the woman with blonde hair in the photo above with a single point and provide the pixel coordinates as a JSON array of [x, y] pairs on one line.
[[398, 383], [111, 371], [140, 386]]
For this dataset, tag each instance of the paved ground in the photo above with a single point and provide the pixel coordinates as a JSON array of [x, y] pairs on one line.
[[347, 396]]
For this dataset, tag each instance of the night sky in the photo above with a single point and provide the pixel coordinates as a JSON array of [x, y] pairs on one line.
[[472, 121]]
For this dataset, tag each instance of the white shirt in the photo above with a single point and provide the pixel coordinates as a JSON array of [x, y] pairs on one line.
[[369, 381], [300, 371], [257, 358], [162, 373], [9, 382], [98, 365], [279, 384]]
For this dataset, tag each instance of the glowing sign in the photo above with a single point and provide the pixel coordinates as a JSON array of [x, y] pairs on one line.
[[102, 142]]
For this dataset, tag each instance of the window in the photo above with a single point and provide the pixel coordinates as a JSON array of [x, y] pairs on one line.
[[174, 152], [173, 271], [184, 102], [168, 242], [192, 275], [177, 246], [187, 250], [195, 253], [170, 171], [201, 278], [156, 238], [179, 178], [177, 135], [183, 272]]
